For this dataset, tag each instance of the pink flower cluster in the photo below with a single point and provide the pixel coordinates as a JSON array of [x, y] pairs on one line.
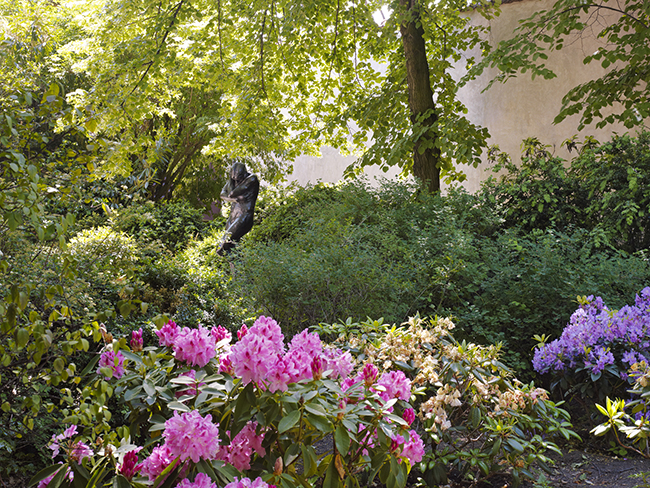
[[202, 480], [114, 361], [396, 385], [76, 451], [259, 357], [189, 435], [158, 460], [413, 449], [238, 453], [247, 483], [194, 346]]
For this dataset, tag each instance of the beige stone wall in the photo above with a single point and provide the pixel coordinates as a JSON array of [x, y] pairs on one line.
[[523, 107]]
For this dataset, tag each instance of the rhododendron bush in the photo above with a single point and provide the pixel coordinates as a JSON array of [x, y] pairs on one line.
[[208, 411], [477, 420], [597, 347]]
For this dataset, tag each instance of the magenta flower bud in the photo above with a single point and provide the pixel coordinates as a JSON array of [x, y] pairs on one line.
[[409, 416], [317, 367], [369, 374], [130, 465], [242, 332], [220, 333], [136, 340], [226, 366], [167, 334]]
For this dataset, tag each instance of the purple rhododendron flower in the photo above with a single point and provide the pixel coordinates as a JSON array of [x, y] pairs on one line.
[[167, 334], [195, 346], [592, 333], [202, 480], [189, 435], [115, 362]]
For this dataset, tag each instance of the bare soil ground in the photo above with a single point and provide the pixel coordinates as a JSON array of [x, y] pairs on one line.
[[580, 469]]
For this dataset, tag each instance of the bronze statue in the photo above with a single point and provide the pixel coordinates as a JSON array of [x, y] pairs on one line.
[[241, 191]]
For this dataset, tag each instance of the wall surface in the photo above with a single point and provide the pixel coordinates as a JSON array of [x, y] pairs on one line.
[[523, 107]]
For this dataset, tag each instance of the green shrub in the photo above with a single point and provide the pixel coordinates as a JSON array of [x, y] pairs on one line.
[[172, 224], [104, 250], [354, 250], [605, 189]]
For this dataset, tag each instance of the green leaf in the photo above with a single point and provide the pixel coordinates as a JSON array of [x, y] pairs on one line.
[[44, 473], [287, 422], [342, 439]]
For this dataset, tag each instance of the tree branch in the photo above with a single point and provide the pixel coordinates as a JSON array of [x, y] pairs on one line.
[[162, 43]]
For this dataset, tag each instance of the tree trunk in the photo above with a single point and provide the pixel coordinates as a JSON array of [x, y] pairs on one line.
[[425, 164]]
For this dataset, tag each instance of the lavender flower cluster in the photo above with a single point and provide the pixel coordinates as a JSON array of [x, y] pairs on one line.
[[595, 333]]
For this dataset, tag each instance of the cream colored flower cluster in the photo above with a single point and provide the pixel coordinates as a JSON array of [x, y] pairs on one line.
[[434, 407]]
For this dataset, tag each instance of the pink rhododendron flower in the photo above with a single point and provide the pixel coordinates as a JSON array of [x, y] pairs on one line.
[[317, 368], [130, 466], [158, 460], [167, 334], [56, 439], [338, 361], [239, 452], [254, 357], [242, 332], [369, 374], [409, 416], [202, 480], [279, 376], [413, 450], [247, 483], [115, 362], [189, 435], [307, 342], [136, 340], [396, 440], [195, 346], [78, 451], [220, 333], [225, 365], [397, 385], [269, 328]]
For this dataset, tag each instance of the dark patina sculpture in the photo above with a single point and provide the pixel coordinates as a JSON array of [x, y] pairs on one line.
[[241, 191]]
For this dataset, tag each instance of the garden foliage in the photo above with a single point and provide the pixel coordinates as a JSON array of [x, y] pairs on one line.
[[325, 253], [259, 409]]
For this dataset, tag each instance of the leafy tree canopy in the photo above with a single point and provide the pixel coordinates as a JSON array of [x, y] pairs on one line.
[[173, 83], [624, 28]]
